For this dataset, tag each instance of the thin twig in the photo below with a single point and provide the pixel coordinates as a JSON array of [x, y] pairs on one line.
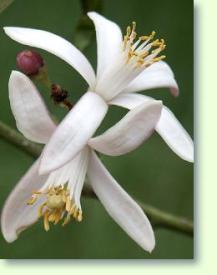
[[158, 217], [4, 4], [15, 138]]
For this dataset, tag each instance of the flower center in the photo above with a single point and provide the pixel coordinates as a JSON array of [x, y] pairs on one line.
[[57, 206], [141, 52]]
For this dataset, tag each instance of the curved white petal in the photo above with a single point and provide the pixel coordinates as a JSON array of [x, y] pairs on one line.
[[109, 39], [158, 75], [55, 45], [130, 101], [168, 126], [175, 135], [73, 132], [130, 132], [31, 115], [16, 214], [119, 205]]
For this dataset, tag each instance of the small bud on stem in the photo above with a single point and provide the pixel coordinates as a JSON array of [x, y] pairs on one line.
[[29, 62], [32, 64]]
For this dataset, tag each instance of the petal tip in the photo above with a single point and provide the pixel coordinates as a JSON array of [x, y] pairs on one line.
[[92, 13], [15, 73], [158, 103], [6, 29], [174, 91], [9, 236], [149, 242], [189, 158], [9, 30]]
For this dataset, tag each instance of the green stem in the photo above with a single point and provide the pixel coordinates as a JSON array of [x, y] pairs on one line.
[[12, 136], [158, 217]]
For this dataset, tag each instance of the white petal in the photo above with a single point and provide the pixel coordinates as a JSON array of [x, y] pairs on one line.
[[16, 214], [175, 135], [73, 132], [119, 205], [130, 101], [109, 39], [73, 173], [78, 174], [31, 115], [168, 126], [55, 45], [158, 75], [130, 132]]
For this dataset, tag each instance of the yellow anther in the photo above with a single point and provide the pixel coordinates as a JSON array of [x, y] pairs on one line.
[[66, 220], [142, 48], [58, 216], [74, 214], [152, 34], [128, 31], [144, 38], [68, 203], [133, 26], [57, 206], [144, 54], [46, 222], [32, 200], [79, 218], [156, 59], [52, 217], [40, 209]]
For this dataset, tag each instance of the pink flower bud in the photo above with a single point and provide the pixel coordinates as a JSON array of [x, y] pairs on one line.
[[29, 62]]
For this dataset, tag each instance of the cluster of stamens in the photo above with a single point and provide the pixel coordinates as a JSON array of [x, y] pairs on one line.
[[142, 50], [58, 206]]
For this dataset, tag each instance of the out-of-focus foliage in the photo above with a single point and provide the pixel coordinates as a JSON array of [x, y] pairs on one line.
[[152, 173], [84, 29], [4, 4]]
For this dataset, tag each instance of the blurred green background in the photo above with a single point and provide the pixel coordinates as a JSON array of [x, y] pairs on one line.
[[152, 173]]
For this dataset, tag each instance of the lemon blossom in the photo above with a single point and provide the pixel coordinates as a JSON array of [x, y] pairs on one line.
[[125, 64], [56, 196]]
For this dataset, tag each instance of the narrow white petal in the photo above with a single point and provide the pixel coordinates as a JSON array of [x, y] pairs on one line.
[[73, 132], [130, 101], [130, 132], [78, 174], [168, 126], [55, 45], [109, 39], [175, 135], [16, 214], [158, 75], [31, 115], [119, 205]]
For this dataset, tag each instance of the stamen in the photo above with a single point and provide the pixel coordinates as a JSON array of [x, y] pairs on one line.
[[140, 52], [57, 206], [46, 221]]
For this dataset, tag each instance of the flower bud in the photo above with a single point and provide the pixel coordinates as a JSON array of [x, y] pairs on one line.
[[29, 62], [58, 94]]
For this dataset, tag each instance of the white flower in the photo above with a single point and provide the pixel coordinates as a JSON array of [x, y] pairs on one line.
[[124, 66], [56, 195]]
